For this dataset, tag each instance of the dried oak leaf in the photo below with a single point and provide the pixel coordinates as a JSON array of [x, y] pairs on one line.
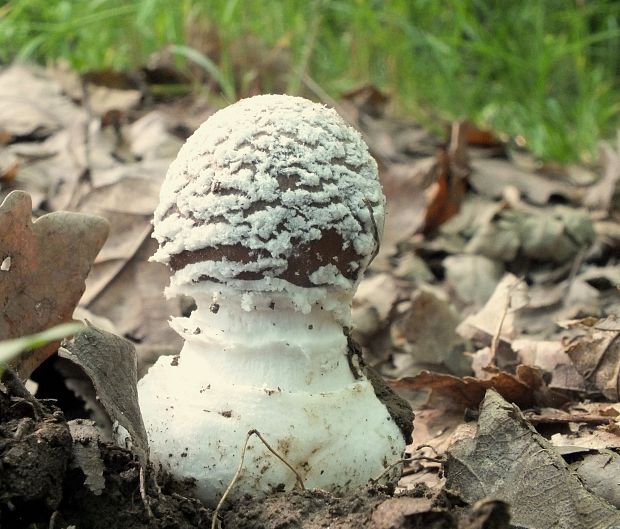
[[46, 264], [509, 461]]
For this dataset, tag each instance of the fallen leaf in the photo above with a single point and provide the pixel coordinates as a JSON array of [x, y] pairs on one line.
[[526, 388], [110, 362], [556, 234], [552, 358], [31, 104], [446, 194], [473, 277], [509, 461], [601, 277], [490, 177], [498, 316], [102, 99], [488, 513], [497, 239], [601, 195], [595, 469], [426, 330], [368, 99], [402, 185], [373, 303], [150, 138], [596, 356], [50, 259], [597, 439]]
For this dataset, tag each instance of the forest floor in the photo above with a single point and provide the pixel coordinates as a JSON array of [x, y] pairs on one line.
[[493, 306]]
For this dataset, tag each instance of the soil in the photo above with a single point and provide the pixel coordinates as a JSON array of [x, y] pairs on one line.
[[42, 485]]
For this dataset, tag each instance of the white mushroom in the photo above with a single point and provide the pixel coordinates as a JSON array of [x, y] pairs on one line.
[[268, 217]]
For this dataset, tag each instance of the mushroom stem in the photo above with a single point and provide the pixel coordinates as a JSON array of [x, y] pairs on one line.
[[313, 345]]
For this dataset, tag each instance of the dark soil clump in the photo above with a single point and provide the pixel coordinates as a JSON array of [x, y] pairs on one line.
[[311, 509], [35, 449], [42, 487]]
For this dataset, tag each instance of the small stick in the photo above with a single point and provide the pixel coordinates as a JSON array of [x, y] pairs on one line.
[[419, 447], [374, 481], [498, 332], [14, 384], [375, 231], [214, 522], [567, 417], [149, 512]]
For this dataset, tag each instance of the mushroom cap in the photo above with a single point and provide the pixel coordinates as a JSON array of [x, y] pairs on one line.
[[272, 190]]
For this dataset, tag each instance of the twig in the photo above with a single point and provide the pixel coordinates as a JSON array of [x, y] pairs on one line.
[[498, 331], [567, 417], [439, 460], [375, 232], [300, 482], [14, 384], [419, 447], [149, 512]]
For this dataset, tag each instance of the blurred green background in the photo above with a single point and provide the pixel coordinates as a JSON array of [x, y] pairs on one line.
[[547, 71]]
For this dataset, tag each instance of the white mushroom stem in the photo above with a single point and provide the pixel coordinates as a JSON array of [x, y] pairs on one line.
[[272, 368], [252, 346]]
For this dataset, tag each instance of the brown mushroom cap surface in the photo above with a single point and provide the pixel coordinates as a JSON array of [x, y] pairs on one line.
[[273, 188]]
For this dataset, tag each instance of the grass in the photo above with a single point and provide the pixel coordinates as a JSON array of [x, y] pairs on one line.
[[546, 71]]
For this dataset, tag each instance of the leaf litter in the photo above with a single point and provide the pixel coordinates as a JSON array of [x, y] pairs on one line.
[[486, 255]]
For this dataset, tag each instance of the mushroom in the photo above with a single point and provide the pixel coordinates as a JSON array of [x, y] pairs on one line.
[[268, 218]]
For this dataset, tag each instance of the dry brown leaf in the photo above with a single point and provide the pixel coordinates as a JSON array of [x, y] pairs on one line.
[[32, 105], [552, 358], [49, 261], [589, 439], [596, 356], [594, 470], [497, 318], [426, 330], [372, 305], [445, 196], [473, 277], [405, 511], [526, 388], [368, 99], [402, 185]]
